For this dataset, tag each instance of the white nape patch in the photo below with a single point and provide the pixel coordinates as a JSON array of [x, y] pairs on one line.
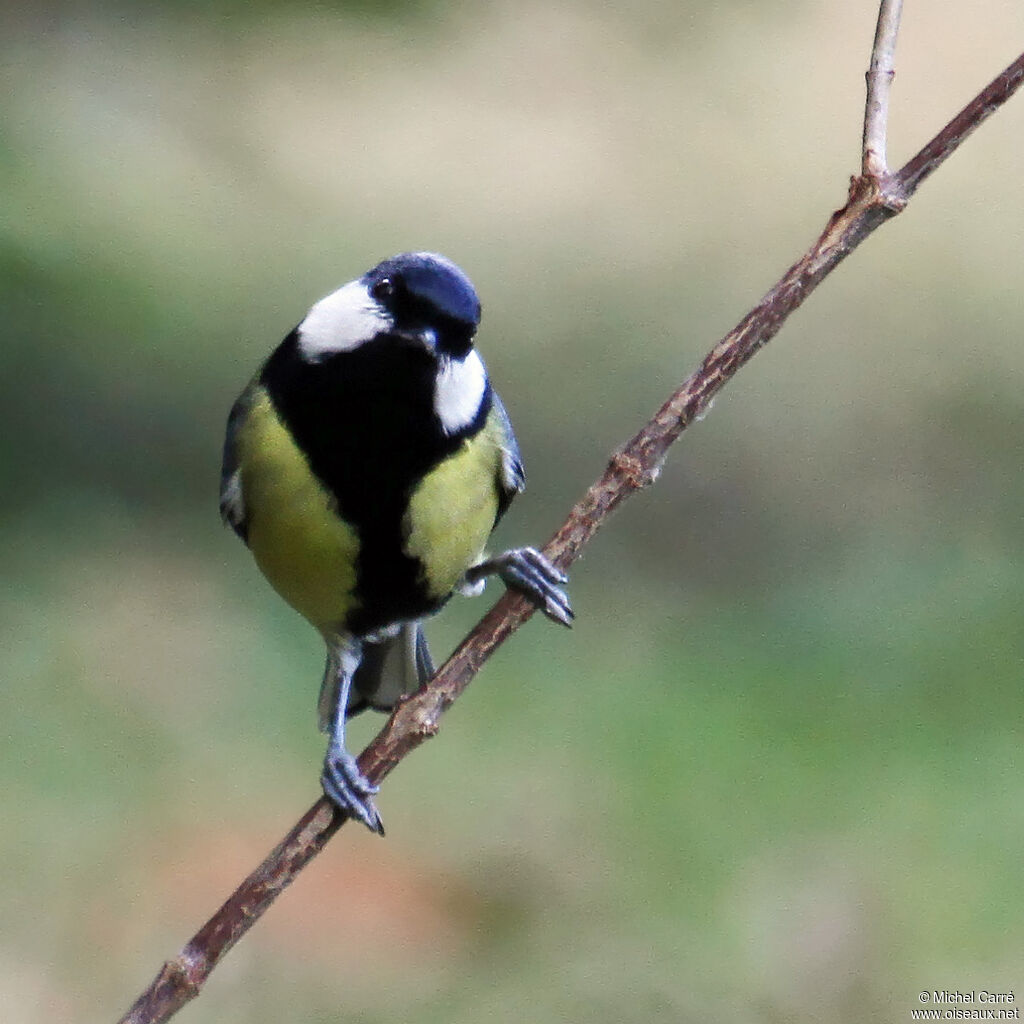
[[341, 321], [458, 391]]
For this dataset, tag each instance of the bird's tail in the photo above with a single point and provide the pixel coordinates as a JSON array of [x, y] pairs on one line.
[[387, 670]]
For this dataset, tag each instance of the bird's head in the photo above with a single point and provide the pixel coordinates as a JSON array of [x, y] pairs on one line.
[[416, 299], [417, 296]]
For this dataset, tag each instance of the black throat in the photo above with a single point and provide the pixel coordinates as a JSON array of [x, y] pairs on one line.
[[366, 423]]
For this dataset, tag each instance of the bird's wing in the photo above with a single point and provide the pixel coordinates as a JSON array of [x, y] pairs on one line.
[[511, 475], [232, 500]]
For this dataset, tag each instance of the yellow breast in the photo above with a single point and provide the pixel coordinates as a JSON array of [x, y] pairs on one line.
[[451, 512], [306, 552]]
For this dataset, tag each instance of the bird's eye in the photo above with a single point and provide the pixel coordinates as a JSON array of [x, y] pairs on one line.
[[383, 289]]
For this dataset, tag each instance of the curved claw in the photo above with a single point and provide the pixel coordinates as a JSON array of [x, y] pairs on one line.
[[532, 574], [349, 790]]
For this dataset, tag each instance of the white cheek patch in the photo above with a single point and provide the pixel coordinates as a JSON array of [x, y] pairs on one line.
[[342, 321], [458, 391]]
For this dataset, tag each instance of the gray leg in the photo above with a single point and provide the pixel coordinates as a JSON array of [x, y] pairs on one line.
[[344, 784], [529, 572]]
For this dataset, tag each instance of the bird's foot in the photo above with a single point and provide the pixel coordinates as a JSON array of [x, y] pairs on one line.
[[532, 574], [348, 789]]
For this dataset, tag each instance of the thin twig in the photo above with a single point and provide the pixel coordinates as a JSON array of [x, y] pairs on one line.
[[871, 202], [879, 76]]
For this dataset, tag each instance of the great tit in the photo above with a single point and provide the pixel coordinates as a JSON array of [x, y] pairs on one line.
[[365, 466]]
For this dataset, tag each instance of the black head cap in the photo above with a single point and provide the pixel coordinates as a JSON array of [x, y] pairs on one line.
[[423, 291]]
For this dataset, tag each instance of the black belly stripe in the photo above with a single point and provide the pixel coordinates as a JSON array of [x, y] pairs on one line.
[[366, 422]]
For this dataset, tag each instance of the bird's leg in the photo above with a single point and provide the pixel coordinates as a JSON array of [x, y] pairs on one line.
[[344, 784], [529, 572]]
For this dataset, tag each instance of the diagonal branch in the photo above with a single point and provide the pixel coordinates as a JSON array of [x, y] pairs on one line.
[[943, 145], [874, 197]]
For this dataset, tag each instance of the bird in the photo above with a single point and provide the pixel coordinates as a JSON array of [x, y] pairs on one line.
[[365, 466]]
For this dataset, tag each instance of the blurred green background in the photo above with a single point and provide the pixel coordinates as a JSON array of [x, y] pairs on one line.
[[772, 775]]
